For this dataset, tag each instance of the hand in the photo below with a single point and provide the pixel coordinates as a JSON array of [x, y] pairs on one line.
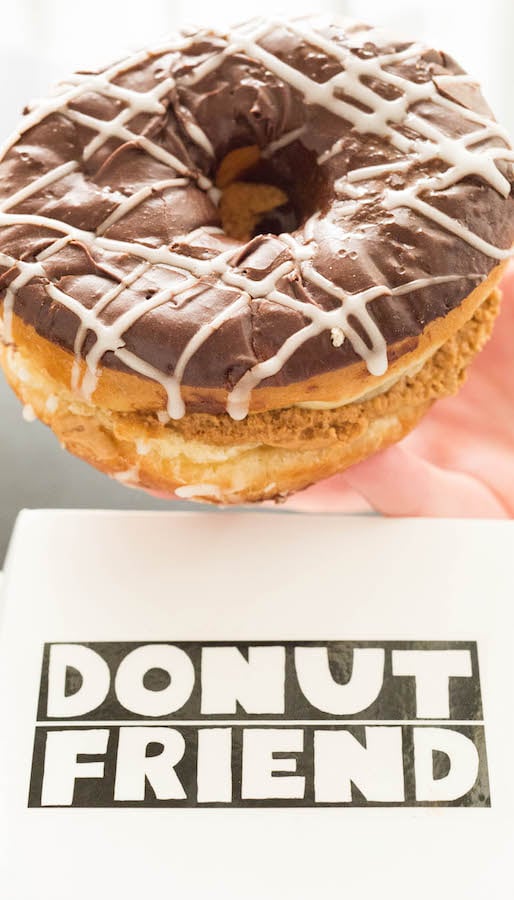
[[459, 462]]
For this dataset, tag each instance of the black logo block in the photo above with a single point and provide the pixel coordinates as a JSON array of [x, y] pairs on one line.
[[307, 724]]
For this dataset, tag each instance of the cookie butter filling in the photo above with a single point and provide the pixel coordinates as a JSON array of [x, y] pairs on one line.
[[199, 457]]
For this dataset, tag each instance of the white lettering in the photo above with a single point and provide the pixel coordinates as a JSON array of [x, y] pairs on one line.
[[134, 766], [215, 765], [432, 670], [257, 683], [130, 688], [376, 769], [260, 766], [463, 758], [95, 675], [320, 689], [61, 766]]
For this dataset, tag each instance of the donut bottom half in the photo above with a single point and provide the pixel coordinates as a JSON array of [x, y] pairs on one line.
[[270, 454]]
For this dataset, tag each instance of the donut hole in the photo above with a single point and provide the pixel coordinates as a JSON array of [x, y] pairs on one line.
[[260, 195]]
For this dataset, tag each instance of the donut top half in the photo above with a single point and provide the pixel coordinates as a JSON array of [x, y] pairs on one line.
[[400, 203]]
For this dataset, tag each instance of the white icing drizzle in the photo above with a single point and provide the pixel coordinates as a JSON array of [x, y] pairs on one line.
[[374, 114], [330, 320], [409, 197], [101, 82], [337, 336], [176, 406], [28, 413], [27, 272], [109, 338], [282, 142], [114, 128], [39, 184], [130, 477], [130, 203], [239, 398], [197, 135], [90, 378]]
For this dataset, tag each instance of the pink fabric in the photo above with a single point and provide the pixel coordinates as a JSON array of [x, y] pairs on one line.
[[458, 462]]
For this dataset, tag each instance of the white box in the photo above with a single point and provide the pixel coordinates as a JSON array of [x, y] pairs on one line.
[[250, 705]]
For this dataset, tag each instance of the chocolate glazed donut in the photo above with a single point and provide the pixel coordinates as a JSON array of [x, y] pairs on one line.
[[239, 262]]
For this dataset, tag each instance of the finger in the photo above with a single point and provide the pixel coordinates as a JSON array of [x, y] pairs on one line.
[[399, 483]]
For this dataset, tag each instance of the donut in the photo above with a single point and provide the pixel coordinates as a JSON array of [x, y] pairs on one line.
[[238, 262]]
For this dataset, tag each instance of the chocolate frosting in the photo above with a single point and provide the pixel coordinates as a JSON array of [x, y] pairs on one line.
[[110, 238]]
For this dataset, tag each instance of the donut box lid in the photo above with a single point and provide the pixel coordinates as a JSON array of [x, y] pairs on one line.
[[247, 705]]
